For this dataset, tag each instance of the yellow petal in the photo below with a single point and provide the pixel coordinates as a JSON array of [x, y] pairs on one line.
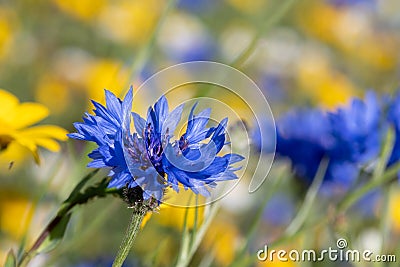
[[45, 131], [27, 114], [13, 157], [48, 144], [40, 136], [15, 215], [146, 219], [8, 102], [30, 145]]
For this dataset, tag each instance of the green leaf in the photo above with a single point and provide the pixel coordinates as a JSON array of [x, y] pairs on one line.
[[385, 154], [309, 200], [55, 234], [390, 175], [78, 198], [11, 261], [80, 185]]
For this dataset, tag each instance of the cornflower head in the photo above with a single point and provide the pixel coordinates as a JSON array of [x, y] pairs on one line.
[[187, 160], [349, 138], [304, 136], [358, 129], [149, 160], [393, 117]]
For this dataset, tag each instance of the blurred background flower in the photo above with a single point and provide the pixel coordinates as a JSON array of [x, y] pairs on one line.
[[15, 121]]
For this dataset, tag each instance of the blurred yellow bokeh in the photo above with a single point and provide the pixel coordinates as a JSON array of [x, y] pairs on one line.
[[15, 215], [130, 21], [104, 74], [327, 87], [223, 238], [7, 31], [395, 211], [248, 6], [359, 41], [174, 215], [85, 10], [54, 94]]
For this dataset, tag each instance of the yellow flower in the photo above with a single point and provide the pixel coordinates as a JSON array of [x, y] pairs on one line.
[[326, 86], [174, 216], [104, 74], [15, 215], [53, 93], [140, 15], [7, 29], [222, 238], [395, 211], [85, 10], [350, 32], [276, 263], [15, 119]]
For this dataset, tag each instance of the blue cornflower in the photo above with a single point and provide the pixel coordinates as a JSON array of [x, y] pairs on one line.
[[187, 160], [358, 130], [304, 136], [149, 158], [105, 129], [350, 137], [394, 120]]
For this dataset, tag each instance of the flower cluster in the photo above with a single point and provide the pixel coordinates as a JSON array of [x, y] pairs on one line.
[[349, 138], [149, 157]]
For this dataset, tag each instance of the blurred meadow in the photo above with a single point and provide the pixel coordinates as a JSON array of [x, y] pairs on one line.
[[308, 54]]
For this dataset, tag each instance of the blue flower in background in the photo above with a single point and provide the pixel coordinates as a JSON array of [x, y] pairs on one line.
[[279, 210], [357, 130], [345, 3], [190, 41], [304, 136], [197, 6], [394, 120], [369, 204], [350, 137], [149, 158], [266, 126]]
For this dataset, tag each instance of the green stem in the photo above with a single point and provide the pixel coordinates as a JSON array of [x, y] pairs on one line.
[[127, 242], [311, 195], [186, 252], [387, 177], [271, 21], [75, 198]]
